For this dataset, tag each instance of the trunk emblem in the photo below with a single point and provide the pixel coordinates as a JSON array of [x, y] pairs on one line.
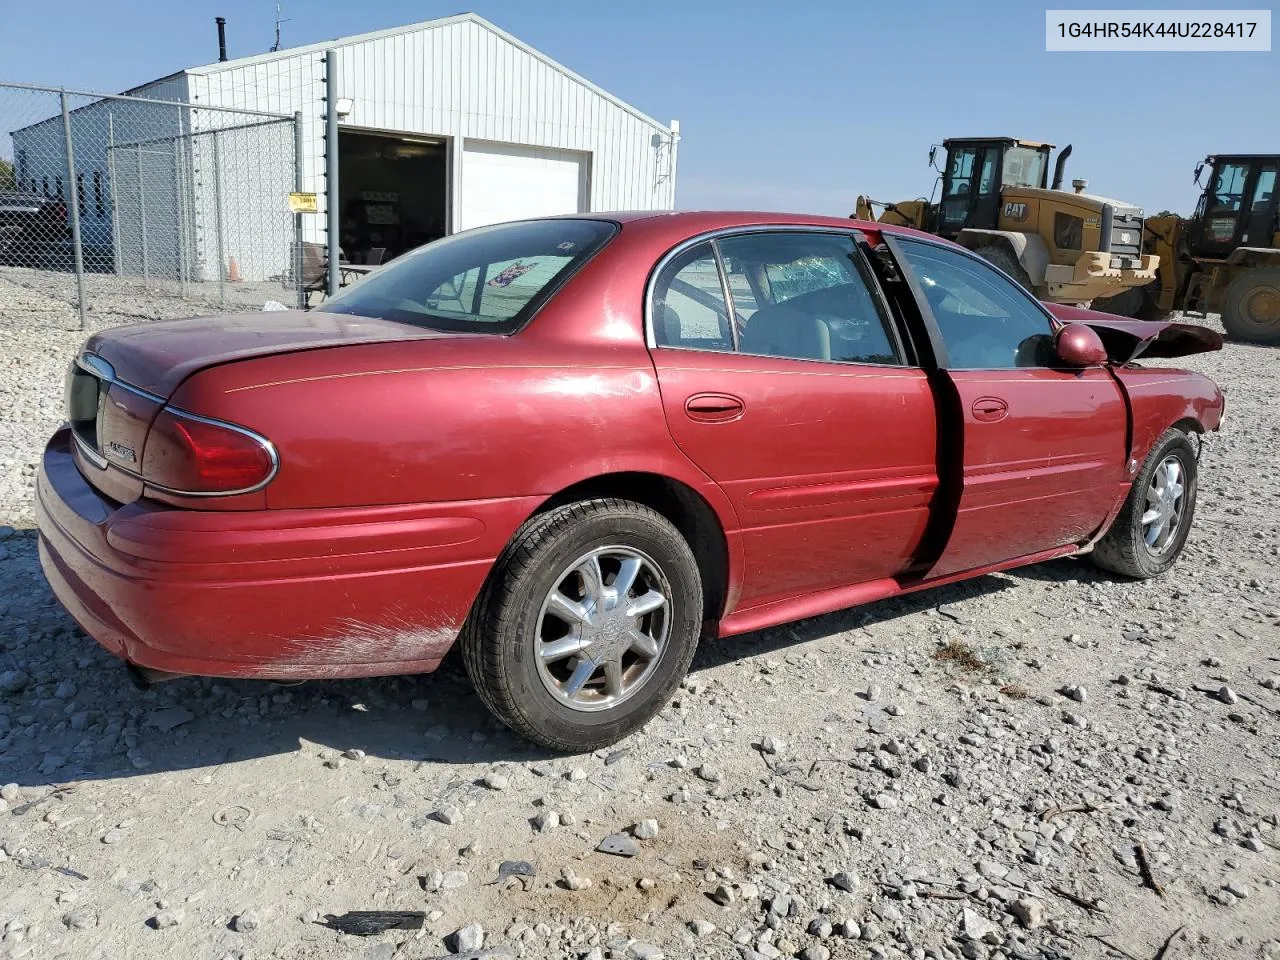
[[121, 452]]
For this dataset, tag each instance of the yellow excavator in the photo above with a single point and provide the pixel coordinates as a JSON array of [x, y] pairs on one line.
[[997, 200], [1225, 258]]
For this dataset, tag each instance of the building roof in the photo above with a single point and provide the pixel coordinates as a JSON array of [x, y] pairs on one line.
[[475, 18]]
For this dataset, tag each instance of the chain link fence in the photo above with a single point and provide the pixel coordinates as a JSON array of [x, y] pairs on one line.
[[118, 208]]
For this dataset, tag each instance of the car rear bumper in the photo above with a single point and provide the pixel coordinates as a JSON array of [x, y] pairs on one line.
[[273, 594]]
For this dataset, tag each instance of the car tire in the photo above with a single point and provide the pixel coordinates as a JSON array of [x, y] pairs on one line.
[[567, 701], [1251, 307], [1141, 550], [1002, 257]]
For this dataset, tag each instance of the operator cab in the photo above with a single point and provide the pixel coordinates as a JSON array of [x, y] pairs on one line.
[[977, 170], [1238, 207]]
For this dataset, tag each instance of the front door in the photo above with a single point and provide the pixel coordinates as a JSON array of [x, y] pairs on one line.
[[1261, 218], [784, 382], [1043, 449]]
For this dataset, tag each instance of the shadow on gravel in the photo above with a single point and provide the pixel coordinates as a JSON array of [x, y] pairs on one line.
[[68, 710]]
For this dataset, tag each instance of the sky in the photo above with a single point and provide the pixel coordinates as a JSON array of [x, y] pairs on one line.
[[794, 106]]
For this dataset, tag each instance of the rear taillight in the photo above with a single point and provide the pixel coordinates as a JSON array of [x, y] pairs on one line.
[[196, 456]]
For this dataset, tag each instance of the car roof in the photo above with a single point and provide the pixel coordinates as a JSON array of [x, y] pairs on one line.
[[690, 223]]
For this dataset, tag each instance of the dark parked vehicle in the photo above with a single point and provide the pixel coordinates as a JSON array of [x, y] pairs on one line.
[[30, 225]]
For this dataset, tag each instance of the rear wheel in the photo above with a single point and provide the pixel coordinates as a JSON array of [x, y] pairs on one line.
[[586, 625], [1152, 527], [1251, 308], [1002, 257]]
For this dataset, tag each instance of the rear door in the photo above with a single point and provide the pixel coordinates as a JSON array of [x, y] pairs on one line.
[[783, 381], [1042, 449]]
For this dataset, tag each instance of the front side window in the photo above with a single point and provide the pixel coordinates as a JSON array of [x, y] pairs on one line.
[[490, 280], [1228, 188], [987, 321], [805, 296]]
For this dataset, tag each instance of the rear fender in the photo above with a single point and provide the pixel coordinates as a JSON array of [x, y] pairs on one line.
[[1164, 397]]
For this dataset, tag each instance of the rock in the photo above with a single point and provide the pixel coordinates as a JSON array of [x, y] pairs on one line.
[[1237, 889], [170, 917], [847, 882], [619, 845], [883, 801], [469, 938], [576, 775], [448, 815], [10, 793], [65, 690], [546, 820], [1228, 696], [645, 830], [1253, 844], [772, 745], [496, 781], [975, 925], [815, 951], [723, 895], [355, 753], [820, 927], [702, 928], [81, 918], [454, 879], [850, 930], [13, 681], [639, 950], [246, 922], [169, 718], [1029, 912], [1271, 683], [708, 773], [1074, 691], [572, 881]]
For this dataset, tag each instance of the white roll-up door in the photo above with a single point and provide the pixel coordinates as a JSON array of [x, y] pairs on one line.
[[508, 181]]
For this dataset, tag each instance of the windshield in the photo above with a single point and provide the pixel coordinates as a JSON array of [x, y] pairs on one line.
[[489, 280], [1024, 167]]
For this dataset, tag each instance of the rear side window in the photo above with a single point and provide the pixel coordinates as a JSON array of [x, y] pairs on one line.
[[689, 308], [490, 280]]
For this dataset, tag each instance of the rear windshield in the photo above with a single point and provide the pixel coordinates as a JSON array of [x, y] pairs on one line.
[[489, 280]]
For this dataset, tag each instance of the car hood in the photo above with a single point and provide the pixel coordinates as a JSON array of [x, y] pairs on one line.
[[156, 357], [1127, 339]]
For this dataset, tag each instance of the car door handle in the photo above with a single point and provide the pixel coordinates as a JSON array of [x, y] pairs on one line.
[[989, 409], [714, 407]]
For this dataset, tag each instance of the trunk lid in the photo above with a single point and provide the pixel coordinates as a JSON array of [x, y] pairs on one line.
[[157, 357], [1128, 340], [123, 377]]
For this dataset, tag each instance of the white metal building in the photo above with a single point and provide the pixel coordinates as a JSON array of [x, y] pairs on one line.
[[443, 125]]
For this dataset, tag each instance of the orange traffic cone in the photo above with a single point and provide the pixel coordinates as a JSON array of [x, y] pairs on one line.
[[233, 271]]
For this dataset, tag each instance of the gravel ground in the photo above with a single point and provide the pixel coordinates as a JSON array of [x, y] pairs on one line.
[[1047, 763]]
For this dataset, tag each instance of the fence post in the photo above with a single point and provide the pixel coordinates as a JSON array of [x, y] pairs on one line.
[[217, 218], [142, 219], [331, 168], [178, 223], [74, 208], [116, 254], [299, 283]]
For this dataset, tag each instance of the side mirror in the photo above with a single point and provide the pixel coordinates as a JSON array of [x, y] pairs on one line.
[[1078, 345]]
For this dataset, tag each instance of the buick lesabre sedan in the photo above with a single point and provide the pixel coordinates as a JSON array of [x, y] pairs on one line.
[[575, 447]]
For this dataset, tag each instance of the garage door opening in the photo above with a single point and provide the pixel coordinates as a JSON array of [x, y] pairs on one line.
[[393, 193]]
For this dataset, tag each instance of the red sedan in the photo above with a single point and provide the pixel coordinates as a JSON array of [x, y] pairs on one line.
[[577, 446]]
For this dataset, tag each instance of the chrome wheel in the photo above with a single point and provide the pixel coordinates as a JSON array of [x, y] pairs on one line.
[[1162, 517], [602, 628]]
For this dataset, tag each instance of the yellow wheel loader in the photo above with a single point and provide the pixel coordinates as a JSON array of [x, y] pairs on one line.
[[1066, 247], [1225, 258]]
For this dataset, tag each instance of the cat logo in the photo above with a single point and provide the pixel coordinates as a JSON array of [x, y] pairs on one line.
[[1015, 211]]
